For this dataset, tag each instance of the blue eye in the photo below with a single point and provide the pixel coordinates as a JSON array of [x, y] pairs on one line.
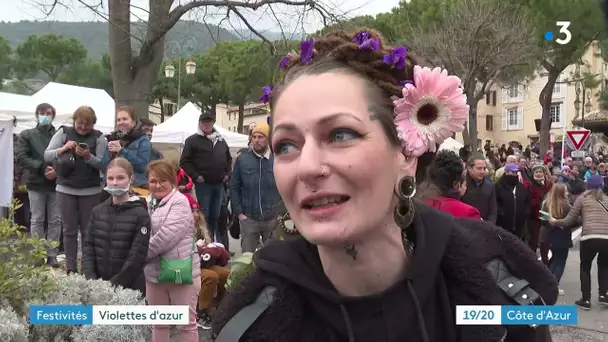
[[342, 134], [283, 147]]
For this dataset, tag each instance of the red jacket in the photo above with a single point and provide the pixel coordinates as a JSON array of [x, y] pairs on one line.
[[454, 207], [537, 194], [184, 180]]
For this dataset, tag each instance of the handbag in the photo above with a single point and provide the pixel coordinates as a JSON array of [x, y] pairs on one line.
[[176, 271]]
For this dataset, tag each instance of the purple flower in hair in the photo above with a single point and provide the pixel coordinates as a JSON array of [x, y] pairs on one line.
[[266, 92], [307, 51], [284, 61], [370, 44], [365, 43], [403, 83], [361, 37], [269, 120], [396, 57]]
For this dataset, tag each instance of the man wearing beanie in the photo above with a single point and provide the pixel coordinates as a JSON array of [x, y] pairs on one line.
[[255, 198], [206, 159], [592, 206]]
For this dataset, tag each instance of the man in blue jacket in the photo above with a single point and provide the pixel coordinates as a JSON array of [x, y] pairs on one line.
[[254, 195]]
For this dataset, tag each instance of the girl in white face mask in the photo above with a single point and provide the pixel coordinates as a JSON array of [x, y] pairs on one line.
[[117, 237]]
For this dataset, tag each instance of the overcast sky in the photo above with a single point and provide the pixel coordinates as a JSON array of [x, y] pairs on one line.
[[16, 10]]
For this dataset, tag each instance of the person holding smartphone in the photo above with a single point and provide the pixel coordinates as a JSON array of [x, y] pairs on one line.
[[75, 153]]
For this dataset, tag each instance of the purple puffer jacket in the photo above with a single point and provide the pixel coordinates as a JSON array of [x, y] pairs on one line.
[[172, 235]]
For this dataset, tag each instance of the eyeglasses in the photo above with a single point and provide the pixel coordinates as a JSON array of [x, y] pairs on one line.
[[156, 183]]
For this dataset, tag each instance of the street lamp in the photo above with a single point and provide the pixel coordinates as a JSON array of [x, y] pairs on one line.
[[190, 68]]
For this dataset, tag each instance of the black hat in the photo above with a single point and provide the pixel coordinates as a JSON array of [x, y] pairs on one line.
[[206, 116]]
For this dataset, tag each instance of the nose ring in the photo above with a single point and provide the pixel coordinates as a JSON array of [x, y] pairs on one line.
[[322, 171]]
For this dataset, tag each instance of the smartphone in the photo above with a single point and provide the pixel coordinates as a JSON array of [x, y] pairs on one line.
[[83, 146], [543, 215]]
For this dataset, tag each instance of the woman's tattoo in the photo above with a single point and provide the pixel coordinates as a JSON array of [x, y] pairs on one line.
[[351, 251]]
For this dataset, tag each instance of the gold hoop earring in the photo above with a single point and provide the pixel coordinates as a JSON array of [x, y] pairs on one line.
[[406, 188], [404, 210]]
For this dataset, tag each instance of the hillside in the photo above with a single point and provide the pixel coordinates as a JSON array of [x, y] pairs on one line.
[[94, 35]]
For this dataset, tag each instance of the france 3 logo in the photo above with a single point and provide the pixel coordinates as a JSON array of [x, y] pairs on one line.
[[564, 35]]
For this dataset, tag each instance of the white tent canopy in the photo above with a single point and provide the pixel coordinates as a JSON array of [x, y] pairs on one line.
[[184, 123], [67, 98], [21, 109], [451, 144]]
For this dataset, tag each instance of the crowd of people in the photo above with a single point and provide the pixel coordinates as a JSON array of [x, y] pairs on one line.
[[388, 233], [533, 198], [136, 214]]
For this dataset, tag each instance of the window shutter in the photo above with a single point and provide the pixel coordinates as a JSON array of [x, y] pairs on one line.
[[505, 119], [520, 93], [520, 118], [494, 98], [562, 114], [564, 89], [505, 95], [488, 98]]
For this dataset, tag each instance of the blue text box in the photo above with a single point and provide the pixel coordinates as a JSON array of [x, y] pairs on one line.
[[539, 315], [61, 314]]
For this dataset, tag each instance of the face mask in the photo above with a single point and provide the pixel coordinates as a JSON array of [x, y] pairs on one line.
[[44, 120], [511, 179], [116, 190]]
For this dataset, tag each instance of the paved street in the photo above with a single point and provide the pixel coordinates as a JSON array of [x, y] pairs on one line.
[[593, 324]]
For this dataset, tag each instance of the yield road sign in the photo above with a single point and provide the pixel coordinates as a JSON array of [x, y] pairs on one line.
[[578, 138]]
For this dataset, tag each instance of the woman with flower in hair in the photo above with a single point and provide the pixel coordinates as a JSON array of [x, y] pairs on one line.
[[355, 125]]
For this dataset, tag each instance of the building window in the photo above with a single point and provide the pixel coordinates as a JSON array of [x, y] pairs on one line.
[[513, 93], [491, 98], [489, 123], [556, 111], [512, 116], [513, 119], [557, 88], [169, 108]]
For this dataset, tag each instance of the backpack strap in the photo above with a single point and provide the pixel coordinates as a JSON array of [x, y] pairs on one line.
[[239, 323]]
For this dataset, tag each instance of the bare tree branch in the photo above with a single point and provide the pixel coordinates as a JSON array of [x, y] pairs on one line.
[[484, 42]]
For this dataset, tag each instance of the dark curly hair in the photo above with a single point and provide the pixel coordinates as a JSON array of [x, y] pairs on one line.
[[337, 51], [445, 170]]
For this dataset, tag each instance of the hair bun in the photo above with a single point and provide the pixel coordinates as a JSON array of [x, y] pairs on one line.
[[342, 46]]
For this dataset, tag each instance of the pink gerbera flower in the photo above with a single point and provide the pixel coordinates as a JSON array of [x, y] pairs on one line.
[[431, 110]]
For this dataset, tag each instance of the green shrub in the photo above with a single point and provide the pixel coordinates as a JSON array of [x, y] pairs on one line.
[[23, 277], [239, 269], [24, 281]]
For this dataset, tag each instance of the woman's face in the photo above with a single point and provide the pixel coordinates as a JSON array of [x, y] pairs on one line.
[[333, 149], [124, 121], [159, 187], [539, 174], [196, 213], [117, 176], [83, 127]]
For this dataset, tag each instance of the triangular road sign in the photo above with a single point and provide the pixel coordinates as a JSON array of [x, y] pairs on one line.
[[578, 137]]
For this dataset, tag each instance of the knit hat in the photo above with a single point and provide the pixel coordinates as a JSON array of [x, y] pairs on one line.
[[565, 168], [538, 167], [192, 201], [206, 116], [595, 182], [261, 128], [511, 167]]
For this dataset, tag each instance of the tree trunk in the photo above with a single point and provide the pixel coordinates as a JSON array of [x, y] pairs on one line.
[[472, 101], [134, 76], [239, 126], [162, 109], [545, 99]]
